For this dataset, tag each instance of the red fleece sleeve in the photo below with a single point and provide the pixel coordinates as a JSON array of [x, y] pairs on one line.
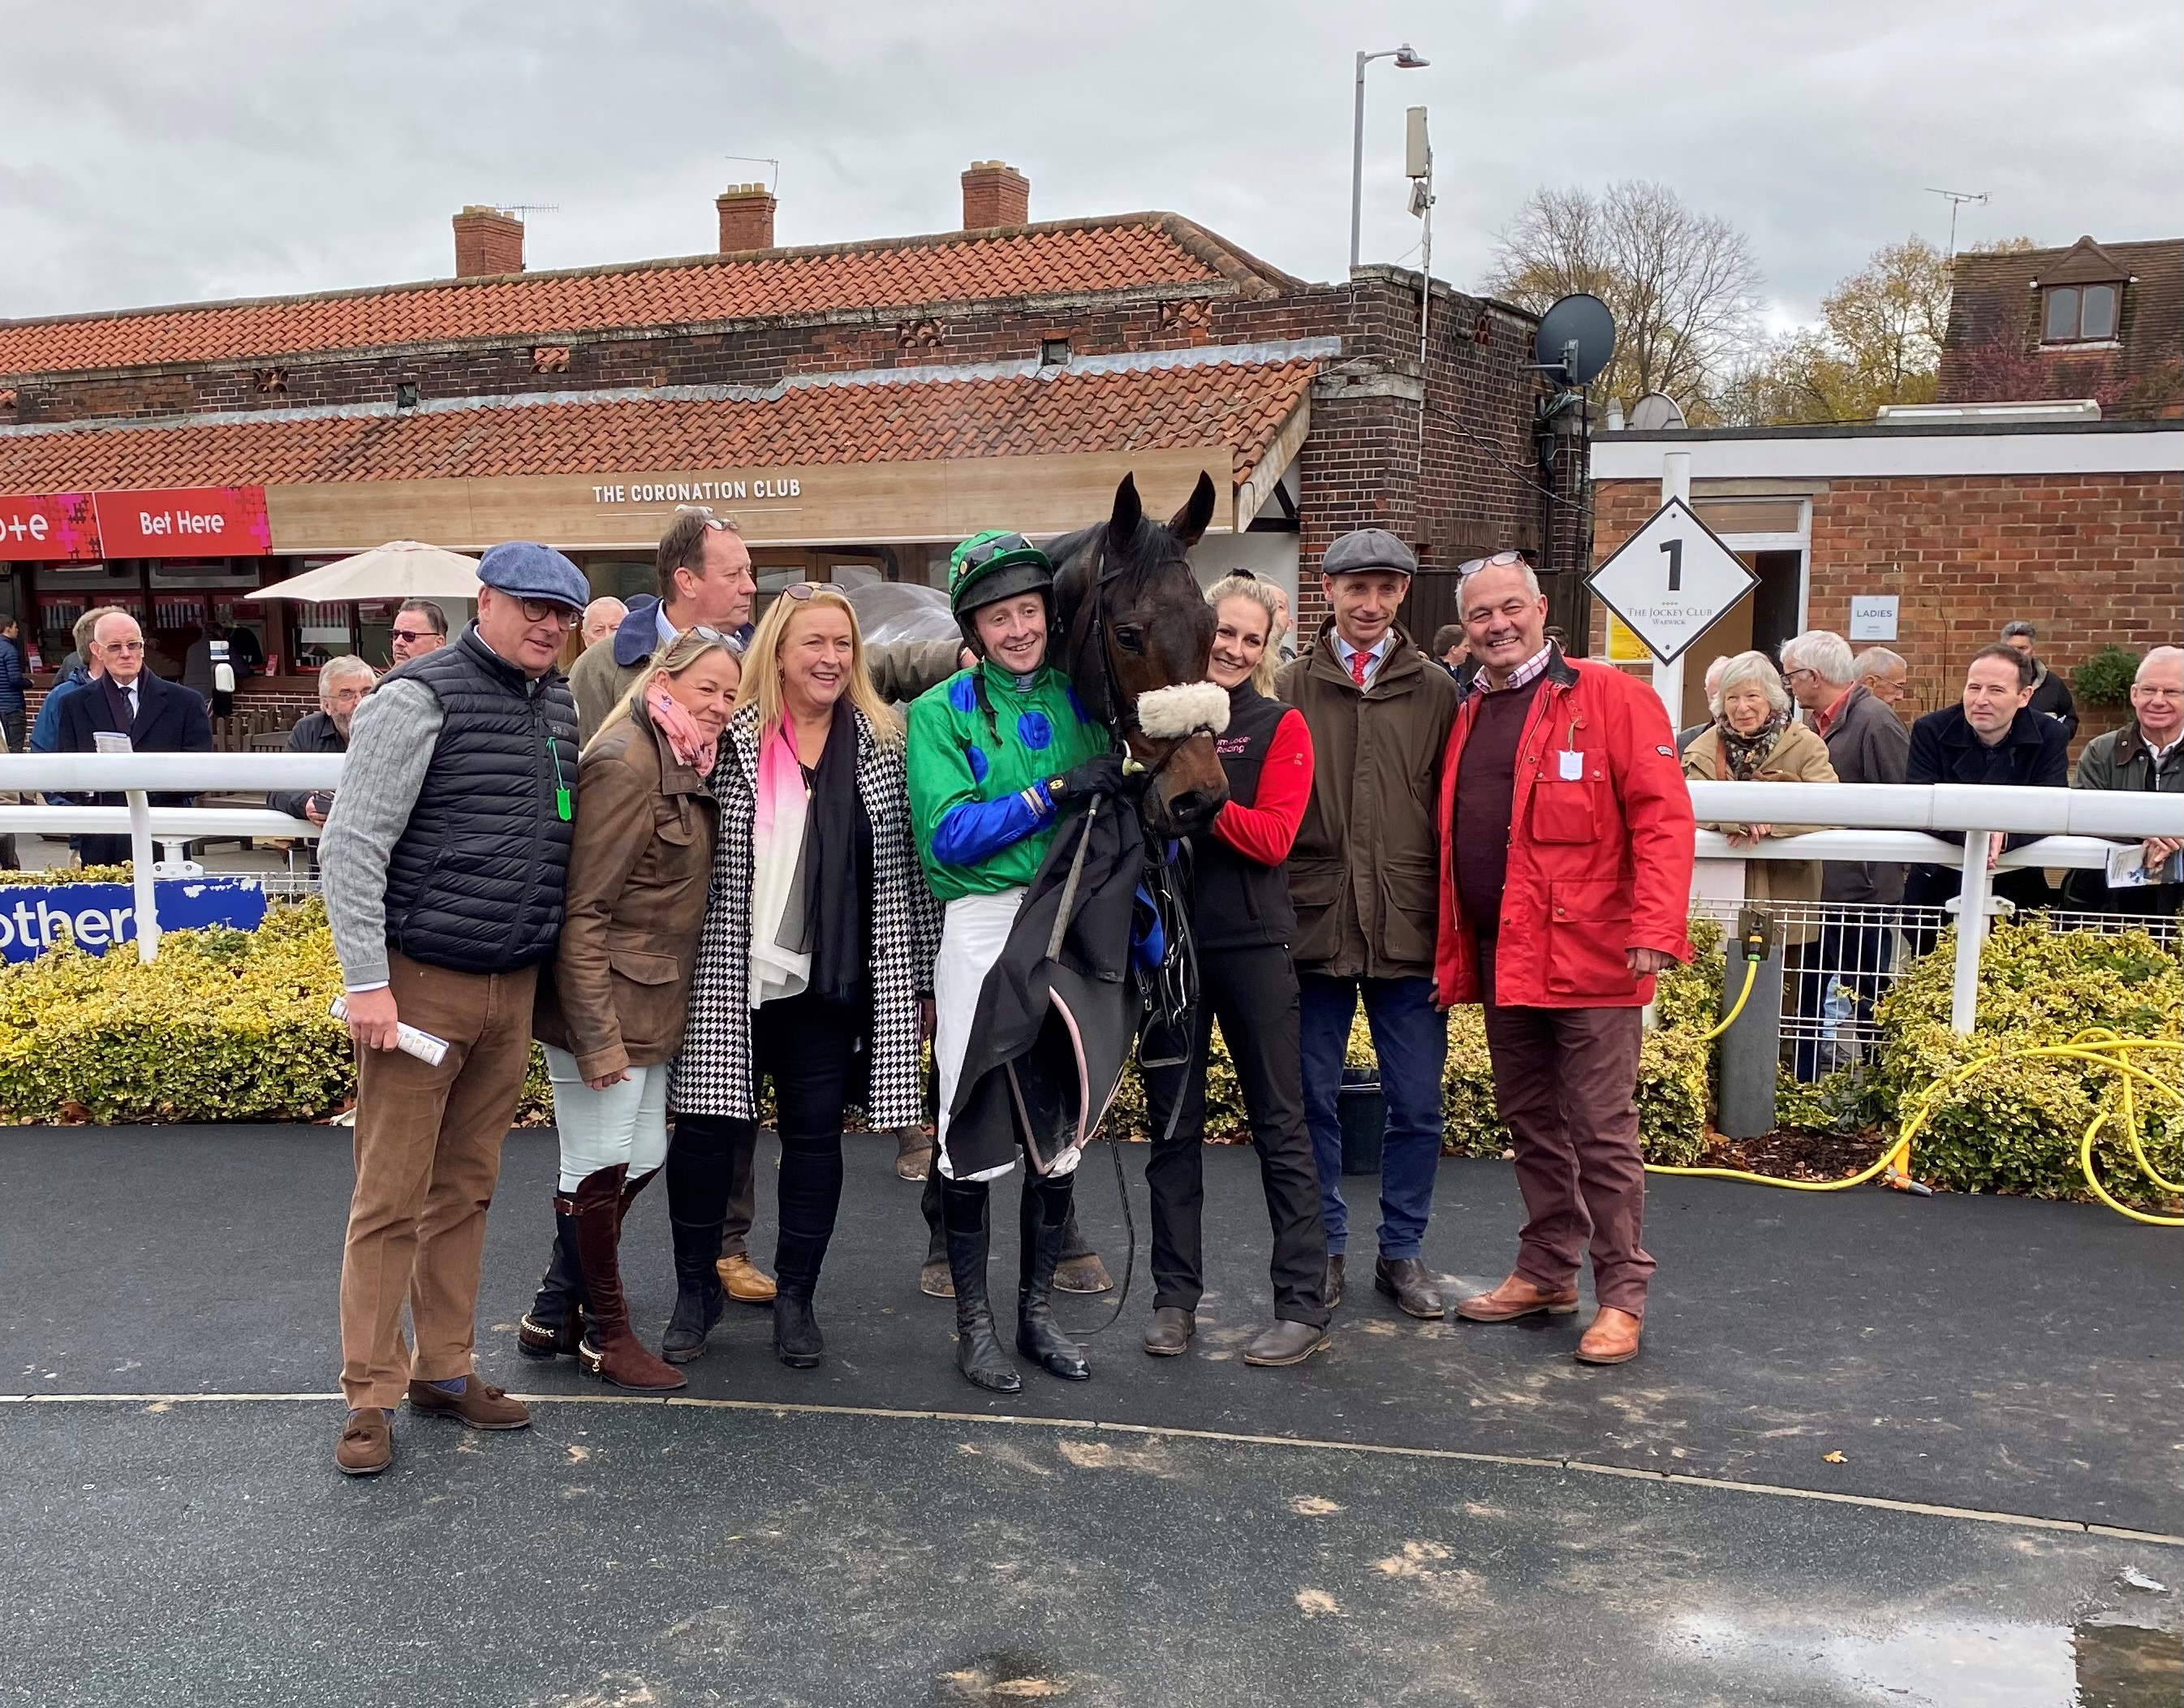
[[1266, 831]]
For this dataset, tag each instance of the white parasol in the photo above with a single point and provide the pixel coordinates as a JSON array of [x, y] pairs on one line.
[[400, 569]]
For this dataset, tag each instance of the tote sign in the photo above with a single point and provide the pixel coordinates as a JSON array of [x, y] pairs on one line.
[[1672, 580], [34, 916]]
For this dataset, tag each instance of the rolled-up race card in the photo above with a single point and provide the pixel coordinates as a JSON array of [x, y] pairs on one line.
[[408, 1039]]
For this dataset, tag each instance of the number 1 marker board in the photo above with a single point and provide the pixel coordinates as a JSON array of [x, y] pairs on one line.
[[1672, 580]]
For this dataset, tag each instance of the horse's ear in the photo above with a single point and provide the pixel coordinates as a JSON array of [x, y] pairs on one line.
[[1188, 526], [1129, 511]]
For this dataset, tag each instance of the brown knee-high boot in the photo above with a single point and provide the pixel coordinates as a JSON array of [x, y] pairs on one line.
[[609, 1350]]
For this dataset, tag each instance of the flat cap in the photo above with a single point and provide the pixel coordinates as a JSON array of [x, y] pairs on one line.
[[1368, 548], [523, 569]]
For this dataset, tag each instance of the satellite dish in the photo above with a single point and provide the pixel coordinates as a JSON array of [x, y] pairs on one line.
[[1575, 339], [1656, 412]]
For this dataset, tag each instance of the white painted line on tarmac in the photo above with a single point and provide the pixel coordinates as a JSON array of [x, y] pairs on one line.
[[1227, 1437]]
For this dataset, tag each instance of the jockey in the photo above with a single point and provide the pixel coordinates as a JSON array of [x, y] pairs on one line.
[[994, 752]]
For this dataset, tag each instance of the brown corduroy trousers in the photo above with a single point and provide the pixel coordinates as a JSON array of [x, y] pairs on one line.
[[1566, 1081], [427, 1158]]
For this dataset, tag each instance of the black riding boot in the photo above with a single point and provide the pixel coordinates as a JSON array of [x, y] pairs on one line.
[[978, 1353], [1043, 1220], [700, 1165], [555, 1321]]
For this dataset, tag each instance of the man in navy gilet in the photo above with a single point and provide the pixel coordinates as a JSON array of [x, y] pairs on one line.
[[445, 859]]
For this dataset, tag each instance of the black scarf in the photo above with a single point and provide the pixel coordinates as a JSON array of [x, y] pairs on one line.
[[838, 874]]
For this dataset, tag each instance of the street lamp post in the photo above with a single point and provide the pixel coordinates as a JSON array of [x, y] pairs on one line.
[[1408, 58]]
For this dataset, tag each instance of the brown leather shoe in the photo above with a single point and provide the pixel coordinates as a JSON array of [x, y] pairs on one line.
[[1407, 1282], [1611, 1339], [366, 1446], [913, 1154], [744, 1281], [480, 1404], [1517, 1297]]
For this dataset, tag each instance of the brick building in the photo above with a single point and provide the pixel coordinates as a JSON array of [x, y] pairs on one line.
[[857, 407], [2074, 524]]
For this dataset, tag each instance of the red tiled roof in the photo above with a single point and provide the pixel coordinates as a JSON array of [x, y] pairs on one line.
[[1032, 261], [1241, 407]]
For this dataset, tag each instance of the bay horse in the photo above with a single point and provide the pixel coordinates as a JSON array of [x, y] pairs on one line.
[[1136, 638]]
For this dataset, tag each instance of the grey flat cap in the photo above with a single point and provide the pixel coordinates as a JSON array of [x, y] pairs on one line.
[[1368, 548]]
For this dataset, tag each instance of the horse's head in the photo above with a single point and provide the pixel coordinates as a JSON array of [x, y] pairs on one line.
[[1137, 634]]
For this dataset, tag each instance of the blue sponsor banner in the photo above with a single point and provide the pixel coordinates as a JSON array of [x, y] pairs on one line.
[[34, 916]]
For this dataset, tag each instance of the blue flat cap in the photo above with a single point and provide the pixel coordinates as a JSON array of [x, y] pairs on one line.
[[523, 569], [1368, 548]]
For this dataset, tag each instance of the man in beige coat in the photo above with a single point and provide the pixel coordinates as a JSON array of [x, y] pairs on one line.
[[1362, 876]]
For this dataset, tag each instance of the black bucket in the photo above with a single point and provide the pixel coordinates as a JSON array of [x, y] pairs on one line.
[[1363, 1113]]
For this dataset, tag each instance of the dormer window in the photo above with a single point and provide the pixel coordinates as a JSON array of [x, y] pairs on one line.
[[2079, 313]]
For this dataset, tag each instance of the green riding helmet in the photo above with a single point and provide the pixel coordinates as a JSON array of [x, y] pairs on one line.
[[991, 566]]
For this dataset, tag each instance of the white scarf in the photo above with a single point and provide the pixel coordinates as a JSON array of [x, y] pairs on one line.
[[778, 861]]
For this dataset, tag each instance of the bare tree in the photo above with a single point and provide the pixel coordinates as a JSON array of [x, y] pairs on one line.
[[1682, 285]]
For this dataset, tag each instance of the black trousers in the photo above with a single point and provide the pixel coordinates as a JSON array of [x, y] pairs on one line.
[[1253, 993], [807, 1046]]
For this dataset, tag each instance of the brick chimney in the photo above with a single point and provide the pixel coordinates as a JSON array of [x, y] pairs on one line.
[[994, 194], [746, 218], [487, 242]]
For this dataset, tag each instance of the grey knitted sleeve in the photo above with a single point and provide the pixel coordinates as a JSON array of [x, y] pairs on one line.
[[390, 745]]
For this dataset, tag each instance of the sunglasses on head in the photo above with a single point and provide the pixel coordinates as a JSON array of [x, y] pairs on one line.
[[1501, 560], [799, 590], [711, 521]]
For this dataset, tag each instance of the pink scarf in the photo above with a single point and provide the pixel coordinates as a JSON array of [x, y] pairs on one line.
[[689, 743]]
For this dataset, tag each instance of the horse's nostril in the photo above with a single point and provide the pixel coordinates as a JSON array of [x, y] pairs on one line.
[[1192, 803]]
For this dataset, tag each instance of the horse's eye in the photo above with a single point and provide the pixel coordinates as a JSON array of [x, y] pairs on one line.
[[1130, 638]]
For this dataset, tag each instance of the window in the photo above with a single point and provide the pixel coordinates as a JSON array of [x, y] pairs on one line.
[[2079, 313], [1054, 352]]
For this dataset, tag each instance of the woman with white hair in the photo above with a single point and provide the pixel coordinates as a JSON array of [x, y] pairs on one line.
[[1752, 739]]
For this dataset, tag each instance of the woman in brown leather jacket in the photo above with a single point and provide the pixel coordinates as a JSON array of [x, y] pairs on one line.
[[610, 1014]]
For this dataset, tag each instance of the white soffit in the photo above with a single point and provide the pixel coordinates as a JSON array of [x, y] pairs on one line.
[[1879, 456]]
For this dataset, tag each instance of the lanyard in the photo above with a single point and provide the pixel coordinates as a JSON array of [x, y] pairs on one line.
[[564, 803]]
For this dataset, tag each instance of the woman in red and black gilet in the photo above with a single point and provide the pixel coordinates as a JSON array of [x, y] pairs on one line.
[[1241, 917]]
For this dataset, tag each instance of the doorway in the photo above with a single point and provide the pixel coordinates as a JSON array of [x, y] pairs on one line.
[[1770, 614]]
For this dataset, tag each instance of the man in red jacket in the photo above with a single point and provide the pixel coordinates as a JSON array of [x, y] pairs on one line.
[[1565, 884]]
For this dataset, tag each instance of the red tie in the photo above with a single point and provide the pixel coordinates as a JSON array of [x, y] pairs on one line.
[[1360, 663]]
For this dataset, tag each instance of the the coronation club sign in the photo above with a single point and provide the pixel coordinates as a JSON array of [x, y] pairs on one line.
[[714, 489]]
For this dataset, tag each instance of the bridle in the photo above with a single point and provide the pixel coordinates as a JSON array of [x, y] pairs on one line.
[[1122, 709]]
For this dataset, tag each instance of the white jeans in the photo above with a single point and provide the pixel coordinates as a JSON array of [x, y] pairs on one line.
[[626, 1123], [973, 932]]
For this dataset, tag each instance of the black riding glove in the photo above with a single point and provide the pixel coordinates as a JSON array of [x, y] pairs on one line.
[[1101, 774]]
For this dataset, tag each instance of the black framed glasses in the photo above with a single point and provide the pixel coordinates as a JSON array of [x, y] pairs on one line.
[[1501, 560], [549, 611]]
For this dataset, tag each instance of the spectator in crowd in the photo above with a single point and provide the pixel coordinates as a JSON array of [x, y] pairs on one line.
[[1565, 889], [342, 683], [1866, 743], [420, 626], [1884, 675], [1685, 737], [2051, 695], [815, 966], [46, 730], [1361, 880], [703, 570], [1992, 735], [468, 752], [1283, 652], [2147, 754], [1753, 739], [1242, 922], [602, 616], [1454, 652], [197, 673], [156, 715], [614, 1002], [14, 677]]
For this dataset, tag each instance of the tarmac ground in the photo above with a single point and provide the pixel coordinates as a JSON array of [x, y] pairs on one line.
[[1878, 1449]]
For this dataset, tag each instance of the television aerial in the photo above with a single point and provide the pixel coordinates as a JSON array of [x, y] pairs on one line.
[[1575, 340], [1656, 412]]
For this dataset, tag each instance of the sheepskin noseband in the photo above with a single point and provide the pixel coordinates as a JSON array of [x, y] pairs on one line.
[[1169, 714]]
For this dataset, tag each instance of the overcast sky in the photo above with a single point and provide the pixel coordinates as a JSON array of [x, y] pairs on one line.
[[159, 151]]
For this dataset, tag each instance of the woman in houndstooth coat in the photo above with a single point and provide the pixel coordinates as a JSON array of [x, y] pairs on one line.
[[815, 965]]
